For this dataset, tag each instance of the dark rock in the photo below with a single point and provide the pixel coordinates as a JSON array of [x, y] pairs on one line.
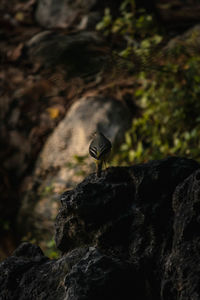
[[131, 234], [28, 250], [80, 53], [28, 274], [81, 274], [182, 266], [102, 210], [98, 276]]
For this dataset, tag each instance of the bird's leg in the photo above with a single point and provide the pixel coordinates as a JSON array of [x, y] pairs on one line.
[[99, 164]]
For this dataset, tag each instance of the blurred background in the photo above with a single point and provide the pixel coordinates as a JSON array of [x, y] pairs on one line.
[[130, 69]]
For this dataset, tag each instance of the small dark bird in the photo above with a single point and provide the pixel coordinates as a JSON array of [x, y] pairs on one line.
[[99, 149]]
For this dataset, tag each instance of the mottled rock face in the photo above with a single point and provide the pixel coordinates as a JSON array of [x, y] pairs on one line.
[[131, 234], [182, 267], [96, 270], [89, 212], [28, 274]]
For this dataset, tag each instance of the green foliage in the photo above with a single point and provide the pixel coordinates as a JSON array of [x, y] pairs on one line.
[[168, 89], [170, 121], [47, 190], [136, 28], [128, 23], [51, 251]]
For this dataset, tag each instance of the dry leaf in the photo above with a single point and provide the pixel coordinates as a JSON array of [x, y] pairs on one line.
[[16, 53], [53, 112]]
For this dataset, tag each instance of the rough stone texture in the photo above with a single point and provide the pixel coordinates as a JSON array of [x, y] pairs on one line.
[[98, 276], [182, 266], [131, 234], [148, 189], [23, 276], [56, 169], [28, 274]]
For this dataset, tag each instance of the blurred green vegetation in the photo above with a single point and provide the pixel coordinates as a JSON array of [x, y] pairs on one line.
[[167, 80], [51, 250]]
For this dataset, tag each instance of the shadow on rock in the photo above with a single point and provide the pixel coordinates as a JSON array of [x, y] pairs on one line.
[[133, 233]]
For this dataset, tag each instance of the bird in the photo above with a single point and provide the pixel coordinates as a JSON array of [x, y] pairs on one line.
[[99, 149]]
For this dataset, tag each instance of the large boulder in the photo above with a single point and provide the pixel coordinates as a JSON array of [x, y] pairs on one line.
[[135, 199], [79, 14], [64, 160], [79, 53], [64, 13], [131, 234]]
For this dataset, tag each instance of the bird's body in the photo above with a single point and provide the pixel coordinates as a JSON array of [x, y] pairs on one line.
[[99, 149]]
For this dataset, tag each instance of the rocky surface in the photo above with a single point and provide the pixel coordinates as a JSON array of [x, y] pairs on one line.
[[133, 233], [79, 53], [44, 44], [56, 167]]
